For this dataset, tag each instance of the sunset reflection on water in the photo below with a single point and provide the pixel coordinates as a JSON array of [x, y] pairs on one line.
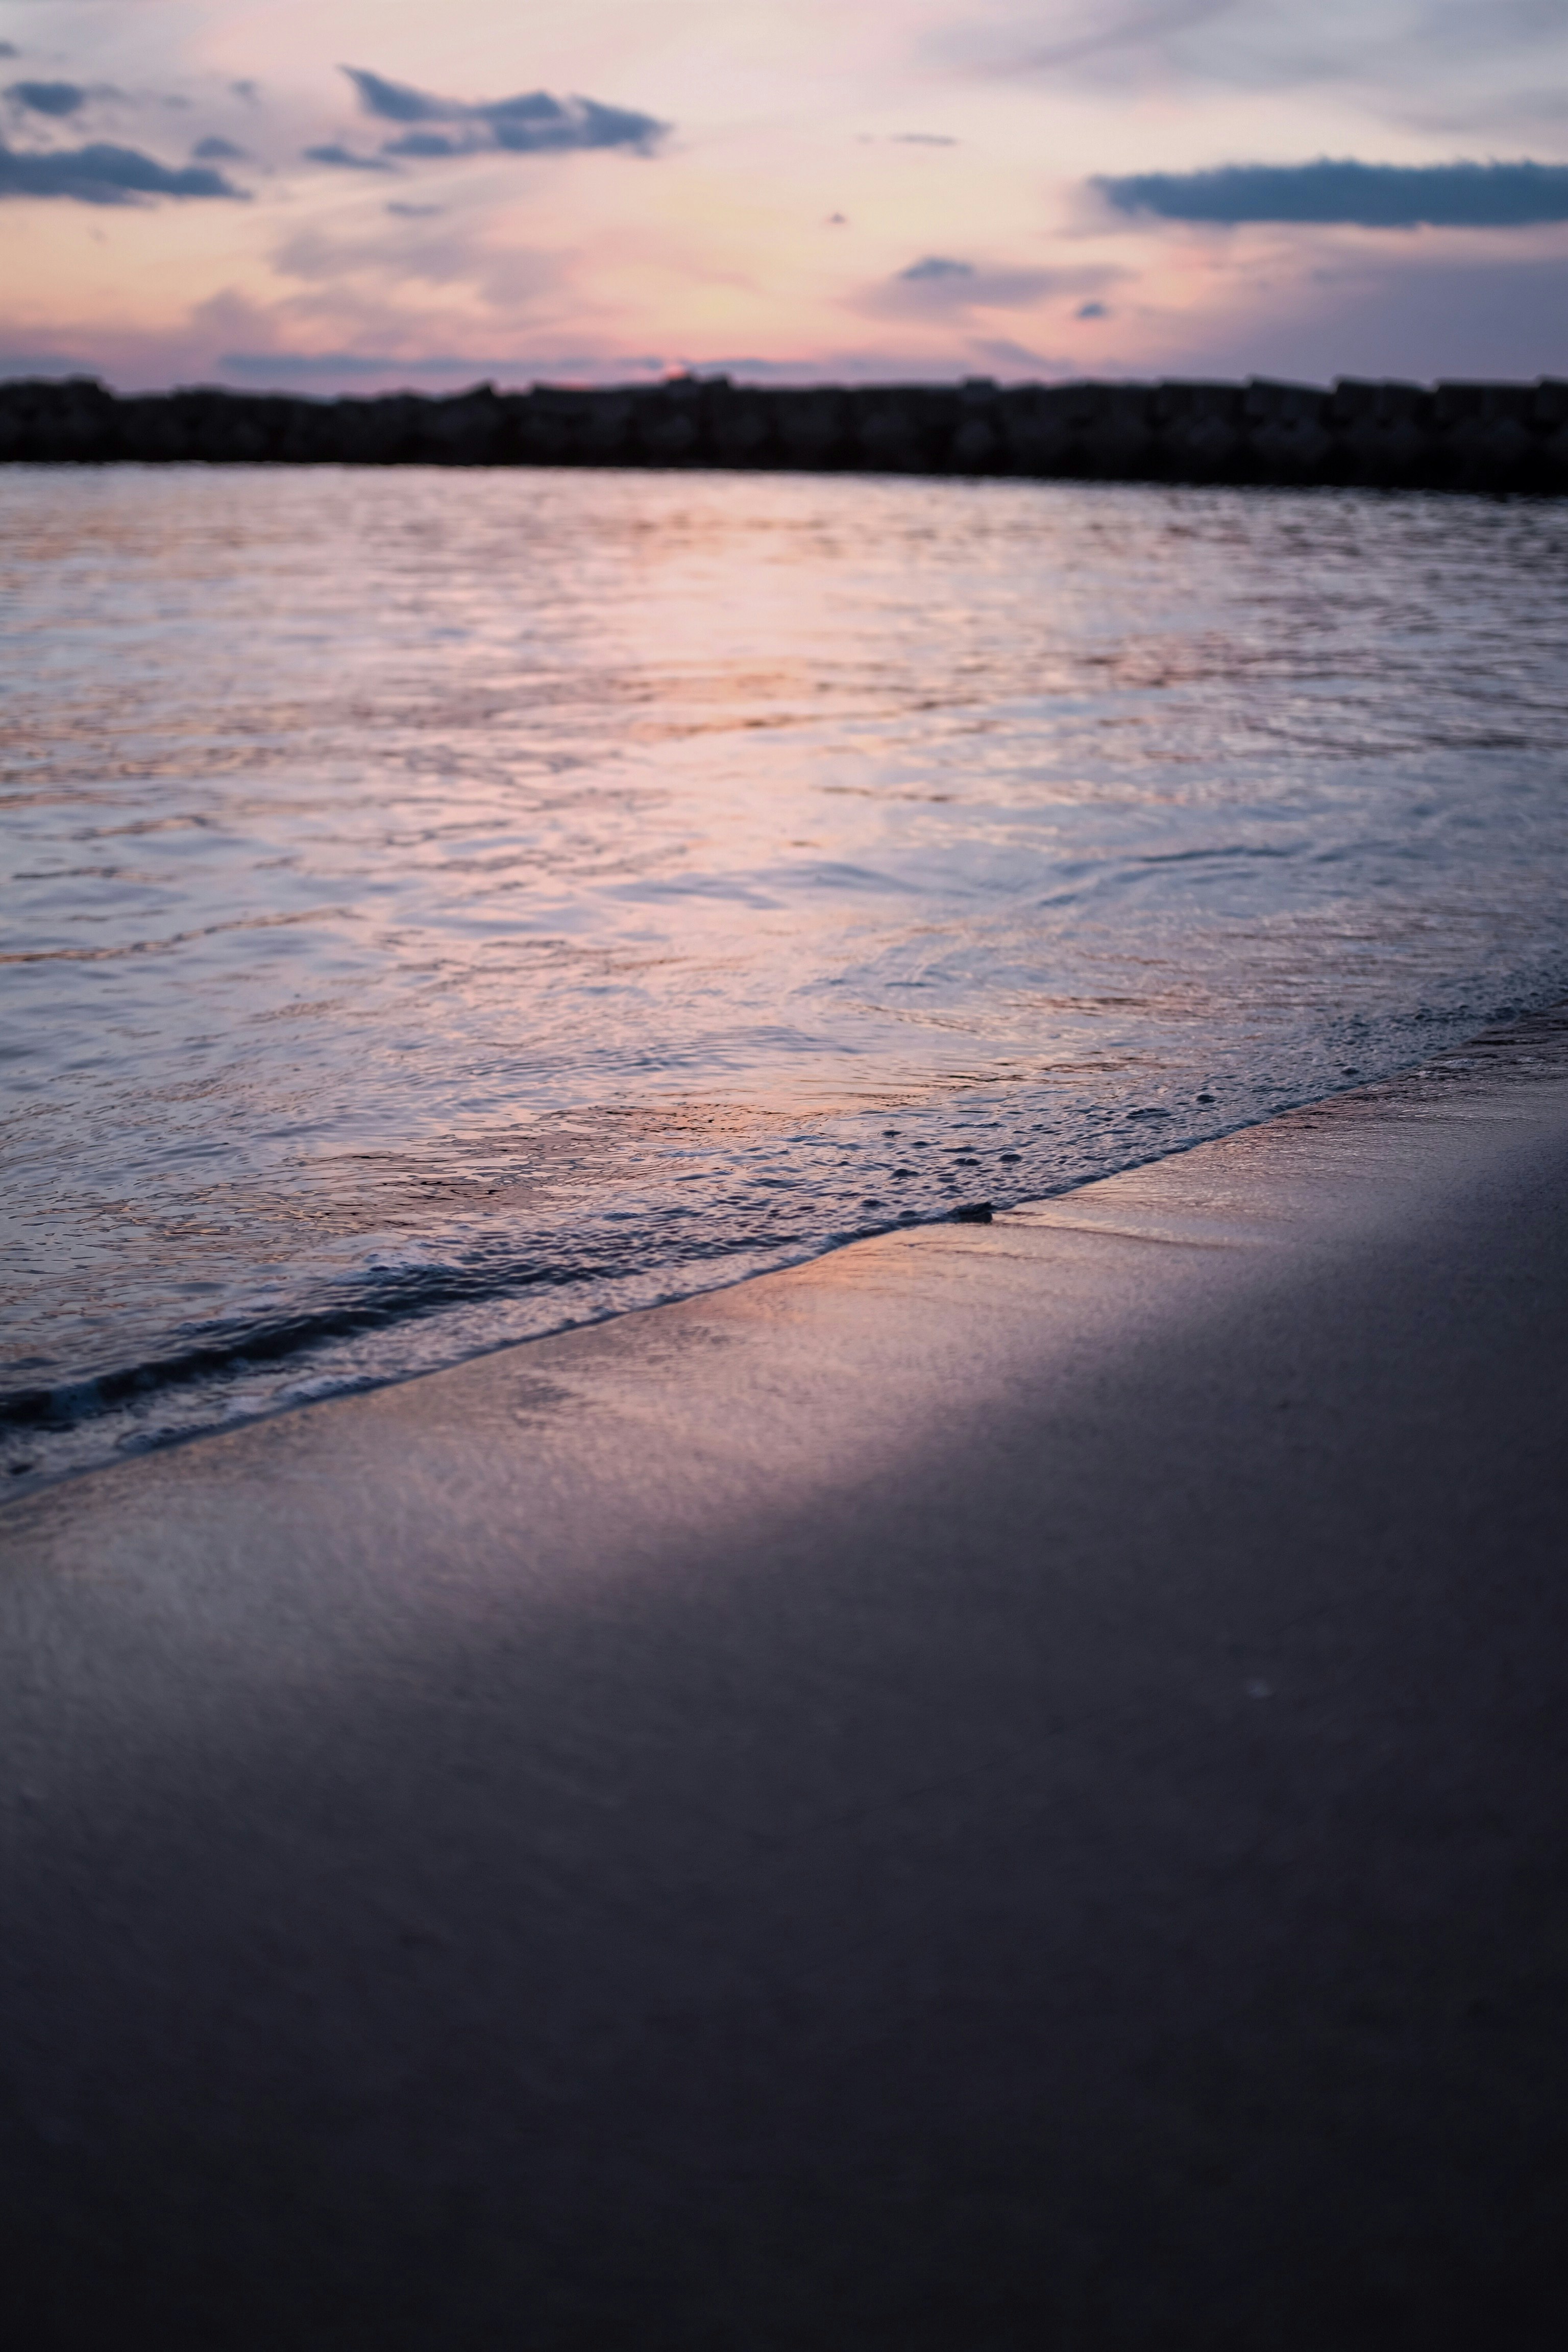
[[448, 904]]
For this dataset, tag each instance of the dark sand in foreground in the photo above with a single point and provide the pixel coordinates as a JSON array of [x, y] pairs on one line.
[[1004, 1788]]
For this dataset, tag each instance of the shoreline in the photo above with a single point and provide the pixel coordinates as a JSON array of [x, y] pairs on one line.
[[1003, 1785], [1476, 437], [35, 1424]]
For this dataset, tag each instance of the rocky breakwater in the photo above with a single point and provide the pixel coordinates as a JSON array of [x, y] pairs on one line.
[[1457, 437]]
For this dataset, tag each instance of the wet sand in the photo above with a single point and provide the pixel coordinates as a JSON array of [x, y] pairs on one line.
[[1004, 1788]]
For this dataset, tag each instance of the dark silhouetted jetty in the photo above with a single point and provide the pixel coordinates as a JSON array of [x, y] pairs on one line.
[[1489, 437]]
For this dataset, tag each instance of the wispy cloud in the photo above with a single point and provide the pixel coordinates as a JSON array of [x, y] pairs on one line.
[[964, 255], [534, 123], [1401, 60], [279, 365], [102, 174], [1369, 196], [384, 275], [1102, 33]]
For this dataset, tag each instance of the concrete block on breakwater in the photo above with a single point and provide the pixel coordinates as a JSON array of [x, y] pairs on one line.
[[1457, 437]]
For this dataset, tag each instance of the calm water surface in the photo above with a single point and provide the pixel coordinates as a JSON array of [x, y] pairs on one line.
[[443, 906]]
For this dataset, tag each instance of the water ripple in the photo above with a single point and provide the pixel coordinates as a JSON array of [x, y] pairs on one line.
[[543, 894]]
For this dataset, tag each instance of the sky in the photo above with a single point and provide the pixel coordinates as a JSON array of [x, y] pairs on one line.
[[332, 196]]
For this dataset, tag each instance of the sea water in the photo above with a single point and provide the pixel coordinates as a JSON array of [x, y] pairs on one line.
[[442, 907]]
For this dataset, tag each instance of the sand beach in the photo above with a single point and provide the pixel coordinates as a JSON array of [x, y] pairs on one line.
[[1005, 1787]]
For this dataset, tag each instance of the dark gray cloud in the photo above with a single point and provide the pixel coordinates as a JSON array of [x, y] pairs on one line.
[[217, 150], [17, 360], [1001, 352], [415, 211], [101, 174], [9, 49], [1369, 196], [284, 366], [533, 123], [397, 101], [342, 158], [297, 363], [938, 285], [430, 145], [57, 97], [920, 138]]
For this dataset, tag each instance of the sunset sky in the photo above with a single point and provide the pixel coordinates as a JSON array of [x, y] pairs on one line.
[[348, 195]]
